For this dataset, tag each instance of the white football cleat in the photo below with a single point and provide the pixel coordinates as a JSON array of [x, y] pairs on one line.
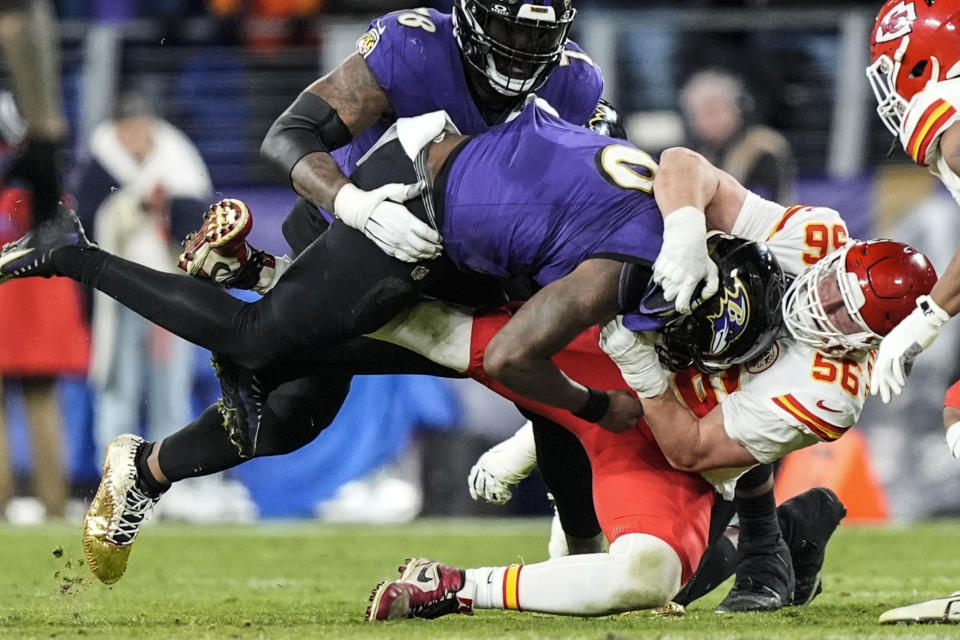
[[941, 610]]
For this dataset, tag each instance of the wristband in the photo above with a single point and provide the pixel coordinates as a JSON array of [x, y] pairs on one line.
[[595, 407], [687, 216], [350, 206], [931, 311], [953, 439]]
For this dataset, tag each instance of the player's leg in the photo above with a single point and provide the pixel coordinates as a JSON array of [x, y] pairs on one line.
[[136, 472], [765, 577], [219, 251], [294, 412], [808, 520], [650, 553], [303, 225], [341, 286], [565, 469], [718, 562], [639, 572]]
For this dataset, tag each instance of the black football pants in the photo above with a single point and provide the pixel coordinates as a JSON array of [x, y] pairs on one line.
[[340, 287]]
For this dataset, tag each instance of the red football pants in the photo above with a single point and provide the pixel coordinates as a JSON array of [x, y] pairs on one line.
[[635, 490]]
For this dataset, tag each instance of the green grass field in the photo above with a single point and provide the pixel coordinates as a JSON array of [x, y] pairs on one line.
[[304, 580]]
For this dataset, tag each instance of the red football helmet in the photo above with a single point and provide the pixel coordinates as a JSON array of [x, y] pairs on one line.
[[914, 42], [852, 298]]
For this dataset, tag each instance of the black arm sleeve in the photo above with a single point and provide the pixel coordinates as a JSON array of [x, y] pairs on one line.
[[309, 125]]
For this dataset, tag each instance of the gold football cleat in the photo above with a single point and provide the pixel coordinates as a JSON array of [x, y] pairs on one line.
[[116, 513]]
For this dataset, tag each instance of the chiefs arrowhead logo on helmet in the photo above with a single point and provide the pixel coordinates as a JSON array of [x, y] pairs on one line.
[[897, 23], [914, 43]]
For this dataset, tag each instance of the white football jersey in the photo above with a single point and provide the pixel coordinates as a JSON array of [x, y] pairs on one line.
[[930, 113], [794, 396], [798, 236]]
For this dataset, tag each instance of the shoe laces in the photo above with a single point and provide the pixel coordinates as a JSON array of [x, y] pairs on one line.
[[439, 605], [136, 506]]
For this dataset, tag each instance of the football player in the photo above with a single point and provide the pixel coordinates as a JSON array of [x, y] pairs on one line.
[[626, 198], [589, 210], [915, 75], [478, 64], [718, 419], [534, 126]]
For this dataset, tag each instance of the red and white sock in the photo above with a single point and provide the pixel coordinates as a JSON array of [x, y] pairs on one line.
[[496, 587]]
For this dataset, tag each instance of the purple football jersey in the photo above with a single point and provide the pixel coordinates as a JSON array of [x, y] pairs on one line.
[[415, 58], [538, 196]]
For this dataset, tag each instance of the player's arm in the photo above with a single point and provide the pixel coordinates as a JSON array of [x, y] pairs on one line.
[[686, 178], [946, 293], [520, 355], [690, 443], [916, 332], [692, 195], [326, 116]]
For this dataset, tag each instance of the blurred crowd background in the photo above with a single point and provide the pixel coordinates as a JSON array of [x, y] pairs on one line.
[[773, 91]]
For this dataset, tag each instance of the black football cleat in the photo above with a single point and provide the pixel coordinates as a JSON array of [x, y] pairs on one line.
[[807, 521], [765, 581], [240, 405], [30, 255]]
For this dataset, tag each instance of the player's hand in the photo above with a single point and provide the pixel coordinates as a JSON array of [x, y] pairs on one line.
[[381, 217], [683, 261], [37, 164], [503, 466], [637, 358], [901, 346], [623, 413]]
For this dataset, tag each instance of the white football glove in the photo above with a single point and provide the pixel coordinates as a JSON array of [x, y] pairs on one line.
[[683, 260], [390, 225], [901, 347], [503, 466], [636, 358]]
